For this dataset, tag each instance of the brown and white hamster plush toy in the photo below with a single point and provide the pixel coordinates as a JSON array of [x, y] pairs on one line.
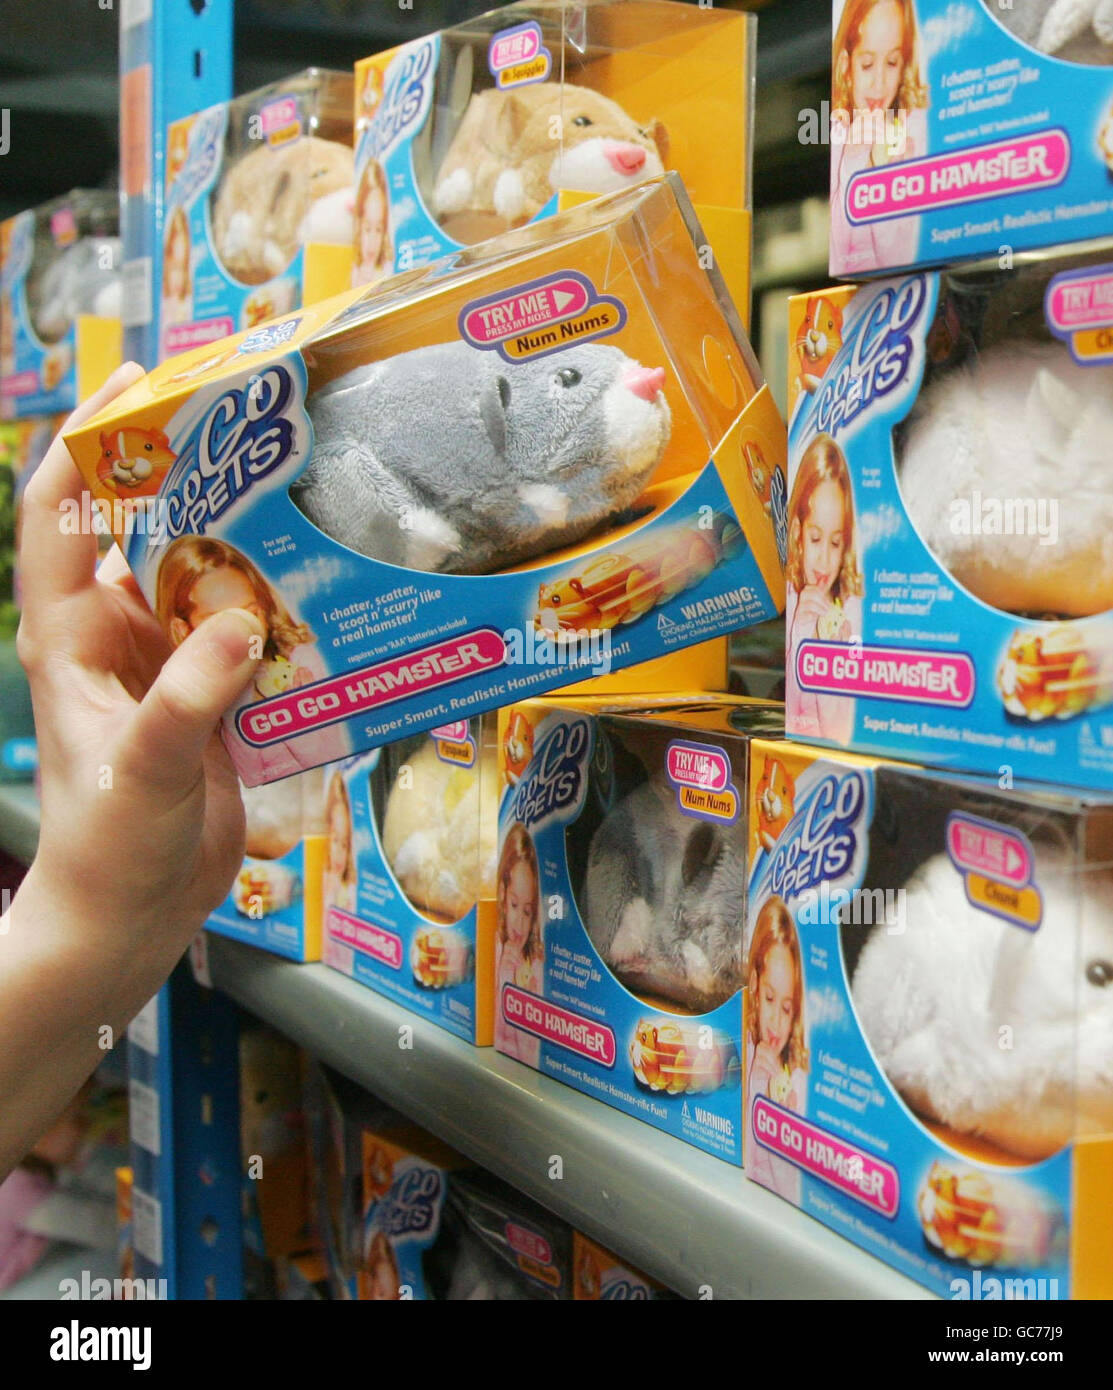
[[505, 159], [270, 200]]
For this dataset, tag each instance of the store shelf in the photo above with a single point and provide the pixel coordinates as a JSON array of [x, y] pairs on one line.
[[685, 1217], [681, 1215]]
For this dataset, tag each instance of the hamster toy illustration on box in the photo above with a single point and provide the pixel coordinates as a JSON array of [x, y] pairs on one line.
[[449, 459], [664, 900], [985, 1218], [502, 159], [668, 1056], [618, 588], [517, 746], [818, 341], [134, 462], [773, 803], [1057, 673]]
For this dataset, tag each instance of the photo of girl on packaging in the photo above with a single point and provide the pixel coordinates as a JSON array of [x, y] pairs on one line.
[[824, 582], [776, 1061], [519, 949], [200, 576], [374, 255], [878, 116], [339, 887]]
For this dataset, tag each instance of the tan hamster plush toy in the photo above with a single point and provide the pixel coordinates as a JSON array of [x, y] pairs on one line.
[[266, 198], [507, 160], [440, 835]]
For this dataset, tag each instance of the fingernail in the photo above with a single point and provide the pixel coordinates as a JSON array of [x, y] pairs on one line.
[[235, 636], [127, 374]]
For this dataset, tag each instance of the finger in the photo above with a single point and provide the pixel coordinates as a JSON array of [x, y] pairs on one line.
[[200, 680], [56, 556]]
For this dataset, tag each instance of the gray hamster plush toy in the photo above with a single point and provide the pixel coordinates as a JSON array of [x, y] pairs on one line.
[[996, 1031], [664, 900], [449, 459]]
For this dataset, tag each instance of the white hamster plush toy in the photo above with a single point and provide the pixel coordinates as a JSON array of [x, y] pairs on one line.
[[1005, 474], [440, 830], [934, 998]]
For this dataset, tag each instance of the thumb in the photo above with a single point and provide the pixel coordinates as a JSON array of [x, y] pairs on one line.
[[199, 681]]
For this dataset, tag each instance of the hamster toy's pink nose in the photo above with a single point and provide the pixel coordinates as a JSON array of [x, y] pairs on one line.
[[645, 381], [625, 159]]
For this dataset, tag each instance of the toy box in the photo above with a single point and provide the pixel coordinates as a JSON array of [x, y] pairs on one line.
[[408, 890], [598, 1276], [60, 334], [435, 1228], [619, 888], [928, 1014], [549, 458], [258, 208], [949, 595], [275, 901], [174, 59], [964, 129], [406, 1217], [505, 118]]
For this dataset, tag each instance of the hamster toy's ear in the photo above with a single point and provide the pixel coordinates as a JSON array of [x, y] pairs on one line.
[[658, 133], [699, 851], [493, 402], [1054, 409], [512, 119]]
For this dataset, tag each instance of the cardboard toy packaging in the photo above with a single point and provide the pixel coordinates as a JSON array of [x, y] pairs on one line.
[[950, 578], [508, 117], [619, 903], [928, 1013], [404, 1216], [549, 458], [60, 333], [275, 902], [408, 890], [599, 1276], [174, 59], [257, 209], [965, 129]]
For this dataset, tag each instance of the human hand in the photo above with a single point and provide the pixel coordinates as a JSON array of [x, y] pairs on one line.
[[142, 822], [766, 1064], [303, 676], [811, 606]]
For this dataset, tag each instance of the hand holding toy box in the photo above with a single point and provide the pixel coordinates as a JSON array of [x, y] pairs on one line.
[[950, 575], [498, 121], [60, 331], [526, 465], [959, 129], [410, 871], [928, 1019], [619, 896], [275, 902], [258, 208]]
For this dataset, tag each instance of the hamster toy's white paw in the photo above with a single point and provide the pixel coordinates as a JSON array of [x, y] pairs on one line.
[[698, 968], [635, 929], [510, 195], [430, 540], [453, 193], [550, 504]]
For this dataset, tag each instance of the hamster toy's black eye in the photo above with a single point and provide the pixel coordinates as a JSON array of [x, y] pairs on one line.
[[569, 376], [148, 447], [582, 120], [1100, 973]]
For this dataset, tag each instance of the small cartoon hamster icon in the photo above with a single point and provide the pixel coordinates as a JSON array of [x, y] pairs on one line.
[[761, 475], [517, 746], [275, 677], [773, 804], [134, 462], [818, 340]]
